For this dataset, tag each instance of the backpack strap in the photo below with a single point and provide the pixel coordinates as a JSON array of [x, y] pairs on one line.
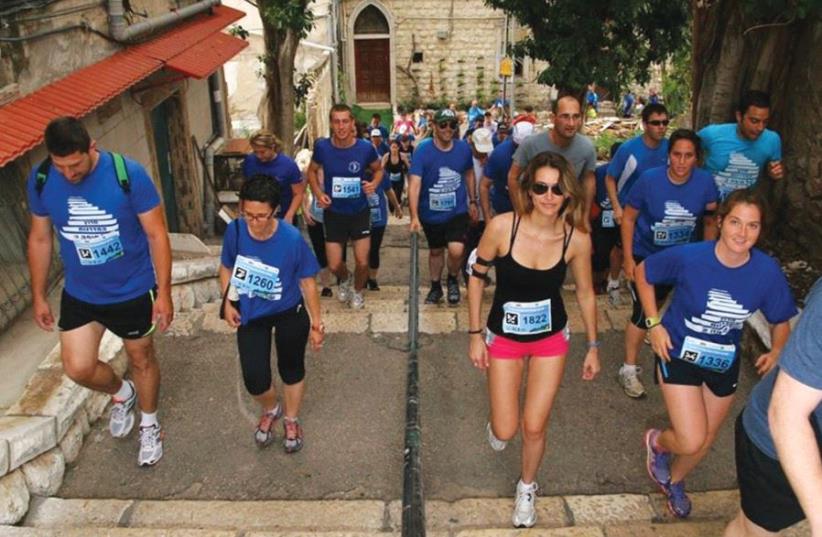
[[121, 171], [42, 175]]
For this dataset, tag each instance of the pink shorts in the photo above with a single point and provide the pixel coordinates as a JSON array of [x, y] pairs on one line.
[[507, 349]]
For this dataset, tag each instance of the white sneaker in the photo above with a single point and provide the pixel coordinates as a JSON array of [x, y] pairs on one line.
[[496, 443], [525, 510], [357, 300], [344, 292], [121, 418], [151, 445], [631, 385]]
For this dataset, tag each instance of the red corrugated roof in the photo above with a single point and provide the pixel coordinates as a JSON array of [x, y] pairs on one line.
[[190, 48], [204, 58]]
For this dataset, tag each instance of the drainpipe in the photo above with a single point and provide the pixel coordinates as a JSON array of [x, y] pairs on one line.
[[122, 31]]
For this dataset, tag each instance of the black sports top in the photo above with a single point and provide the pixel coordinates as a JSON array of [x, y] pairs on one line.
[[399, 167], [527, 302]]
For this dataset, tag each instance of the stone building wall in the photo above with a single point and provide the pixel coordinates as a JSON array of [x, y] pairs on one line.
[[461, 42]]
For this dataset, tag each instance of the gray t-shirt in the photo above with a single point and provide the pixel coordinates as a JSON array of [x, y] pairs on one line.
[[581, 153]]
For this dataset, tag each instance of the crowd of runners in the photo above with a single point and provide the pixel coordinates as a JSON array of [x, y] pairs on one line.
[[507, 205]]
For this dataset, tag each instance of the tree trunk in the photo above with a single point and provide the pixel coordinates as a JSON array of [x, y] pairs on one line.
[[731, 55], [281, 48]]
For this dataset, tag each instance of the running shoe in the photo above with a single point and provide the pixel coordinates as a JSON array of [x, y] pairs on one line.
[[151, 445], [293, 441], [434, 295], [525, 510], [264, 435], [121, 419], [372, 285], [326, 292], [453, 291], [678, 502], [344, 292], [631, 385], [657, 462], [496, 443], [357, 300]]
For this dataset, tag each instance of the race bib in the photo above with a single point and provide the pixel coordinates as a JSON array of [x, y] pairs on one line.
[[442, 201], [395, 177], [98, 251], [345, 187], [608, 218], [707, 354], [525, 318], [256, 279], [672, 234]]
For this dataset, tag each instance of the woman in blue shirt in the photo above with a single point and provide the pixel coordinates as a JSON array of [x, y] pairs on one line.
[[718, 285], [268, 271]]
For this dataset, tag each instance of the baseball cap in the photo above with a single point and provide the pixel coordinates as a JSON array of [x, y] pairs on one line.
[[482, 140], [445, 113], [522, 130], [376, 132]]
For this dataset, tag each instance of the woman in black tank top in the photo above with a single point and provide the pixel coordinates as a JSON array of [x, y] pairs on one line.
[[396, 165], [531, 253]]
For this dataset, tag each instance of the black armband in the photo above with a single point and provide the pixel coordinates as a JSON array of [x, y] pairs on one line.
[[483, 262]]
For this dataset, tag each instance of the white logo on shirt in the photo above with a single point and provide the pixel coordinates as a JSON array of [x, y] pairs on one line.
[[722, 314], [354, 166], [741, 172]]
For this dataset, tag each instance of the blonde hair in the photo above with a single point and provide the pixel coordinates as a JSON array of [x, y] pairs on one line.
[[265, 138], [573, 206]]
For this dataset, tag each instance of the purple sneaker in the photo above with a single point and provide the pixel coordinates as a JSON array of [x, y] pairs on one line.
[[678, 502], [658, 463]]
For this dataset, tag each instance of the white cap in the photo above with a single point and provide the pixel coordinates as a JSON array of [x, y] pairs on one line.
[[376, 132], [482, 140], [522, 130]]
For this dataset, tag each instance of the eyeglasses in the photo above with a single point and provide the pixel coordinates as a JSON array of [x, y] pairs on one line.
[[541, 188], [257, 217], [659, 122], [449, 124]]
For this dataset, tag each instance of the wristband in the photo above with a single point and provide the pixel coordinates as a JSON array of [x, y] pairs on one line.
[[478, 331], [594, 344]]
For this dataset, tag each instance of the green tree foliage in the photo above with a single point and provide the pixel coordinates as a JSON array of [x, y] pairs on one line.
[[608, 42]]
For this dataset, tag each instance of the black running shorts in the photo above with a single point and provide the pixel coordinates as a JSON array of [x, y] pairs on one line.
[[453, 230], [341, 227], [131, 319]]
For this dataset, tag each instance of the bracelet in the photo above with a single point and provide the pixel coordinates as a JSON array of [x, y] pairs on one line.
[[478, 331], [594, 344], [319, 328]]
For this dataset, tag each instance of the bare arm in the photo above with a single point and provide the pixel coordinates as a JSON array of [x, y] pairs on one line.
[[488, 249], [414, 183], [297, 192], [323, 201], [308, 286], [471, 187], [611, 187], [626, 229], [230, 313], [39, 259], [580, 252], [779, 336], [485, 197], [791, 405], [658, 335], [369, 187], [513, 187], [589, 185], [154, 224]]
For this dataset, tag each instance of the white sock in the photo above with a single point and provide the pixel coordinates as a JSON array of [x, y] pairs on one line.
[[628, 368], [148, 420], [124, 392], [524, 486], [613, 284]]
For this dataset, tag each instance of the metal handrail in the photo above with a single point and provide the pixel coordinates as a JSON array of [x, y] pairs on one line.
[[413, 504]]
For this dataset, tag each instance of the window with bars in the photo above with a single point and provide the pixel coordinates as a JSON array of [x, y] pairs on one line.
[[15, 283]]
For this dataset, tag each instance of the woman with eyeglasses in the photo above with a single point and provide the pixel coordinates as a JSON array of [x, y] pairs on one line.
[[718, 285], [527, 324], [662, 210], [271, 271]]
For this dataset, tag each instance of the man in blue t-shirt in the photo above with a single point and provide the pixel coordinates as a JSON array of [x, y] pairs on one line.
[[268, 160], [117, 263], [737, 152], [494, 183], [346, 163], [441, 199], [779, 436]]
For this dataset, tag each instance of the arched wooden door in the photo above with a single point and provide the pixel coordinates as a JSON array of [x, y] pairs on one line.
[[372, 56]]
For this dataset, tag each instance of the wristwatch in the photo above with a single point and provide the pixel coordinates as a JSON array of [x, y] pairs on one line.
[[651, 322]]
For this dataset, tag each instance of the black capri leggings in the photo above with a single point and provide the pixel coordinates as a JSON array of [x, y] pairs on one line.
[[291, 329], [374, 253], [317, 235], [661, 292]]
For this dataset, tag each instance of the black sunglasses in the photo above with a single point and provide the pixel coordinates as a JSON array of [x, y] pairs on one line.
[[444, 124], [541, 188], [658, 122]]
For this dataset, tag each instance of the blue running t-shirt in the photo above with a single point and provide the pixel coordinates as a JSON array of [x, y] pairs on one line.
[[378, 203], [711, 301], [442, 190], [496, 168], [668, 212], [282, 168], [104, 249], [736, 162], [267, 273], [632, 159], [344, 170]]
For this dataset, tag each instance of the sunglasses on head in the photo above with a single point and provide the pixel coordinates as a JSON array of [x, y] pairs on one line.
[[541, 188], [659, 122], [451, 124]]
